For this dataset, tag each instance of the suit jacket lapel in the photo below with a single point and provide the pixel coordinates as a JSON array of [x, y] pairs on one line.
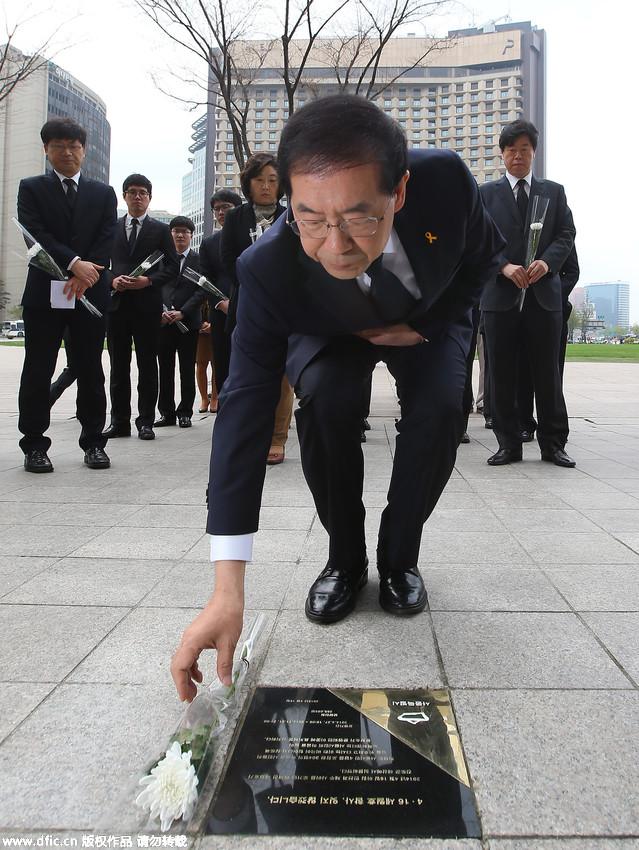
[[57, 194], [508, 200]]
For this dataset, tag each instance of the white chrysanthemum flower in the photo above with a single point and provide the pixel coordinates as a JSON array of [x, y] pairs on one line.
[[145, 266], [171, 788], [536, 225], [34, 250]]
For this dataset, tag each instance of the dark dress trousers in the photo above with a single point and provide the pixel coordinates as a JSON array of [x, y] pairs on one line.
[[293, 316], [187, 297], [569, 276], [134, 319], [85, 230], [239, 224], [538, 323], [211, 268]]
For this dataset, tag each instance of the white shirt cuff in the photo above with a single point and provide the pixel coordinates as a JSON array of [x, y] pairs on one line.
[[232, 547], [70, 266]]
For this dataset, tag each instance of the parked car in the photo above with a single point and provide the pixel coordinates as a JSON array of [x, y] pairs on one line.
[[13, 330]]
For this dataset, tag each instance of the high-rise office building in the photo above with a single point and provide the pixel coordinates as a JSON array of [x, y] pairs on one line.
[[611, 302], [458, 98], [193, 182], [50, 92]]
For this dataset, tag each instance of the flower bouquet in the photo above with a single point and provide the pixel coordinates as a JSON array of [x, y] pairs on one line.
[[41, 259], [171, 786], [180, 325], [538, 210], [205, 284], [146, 264]]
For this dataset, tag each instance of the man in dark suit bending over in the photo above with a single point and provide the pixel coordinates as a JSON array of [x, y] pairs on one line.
[[73, 218], [370, 263]]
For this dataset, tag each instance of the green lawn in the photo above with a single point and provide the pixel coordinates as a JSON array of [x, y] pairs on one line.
[[595, 351]]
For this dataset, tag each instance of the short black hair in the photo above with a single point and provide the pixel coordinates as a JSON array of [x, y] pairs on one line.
[[137, 180], [254, 164], [511, 132], [339, 131], [63, 128], [226, 195], [182, 221]]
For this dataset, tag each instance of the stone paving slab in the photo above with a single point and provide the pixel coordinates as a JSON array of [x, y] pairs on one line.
[[532, 574]]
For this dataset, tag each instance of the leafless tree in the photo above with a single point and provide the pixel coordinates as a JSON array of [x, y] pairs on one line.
[[356, 55], [15, 66]]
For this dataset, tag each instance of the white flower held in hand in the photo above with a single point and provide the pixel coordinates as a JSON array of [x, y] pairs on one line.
[[34, 250], [536, 225], [171, 788]]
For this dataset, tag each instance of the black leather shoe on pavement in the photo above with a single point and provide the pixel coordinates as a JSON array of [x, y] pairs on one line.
[[559, 458], [402, 592], [488, 423], [164, 422], [504, 456], [146, 433], [366, 425], [96, 458], [362, 436], [37, 461], [465, 438], [184, 421], [117, 431], [526, 436], [333, 594]]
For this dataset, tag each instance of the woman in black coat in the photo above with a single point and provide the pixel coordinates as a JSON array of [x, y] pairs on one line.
[[242, 227]]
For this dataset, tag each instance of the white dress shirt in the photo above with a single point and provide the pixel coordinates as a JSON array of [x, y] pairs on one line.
[[514, 180], [128, 224], [239, 547], [76, 180]]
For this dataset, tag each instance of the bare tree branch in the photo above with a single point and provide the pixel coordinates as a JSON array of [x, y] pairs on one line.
[[15, 66]]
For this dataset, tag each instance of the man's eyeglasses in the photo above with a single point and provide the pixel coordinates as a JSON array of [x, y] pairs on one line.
[[353, 227], [222, 207], [59, 147], [137, 193]]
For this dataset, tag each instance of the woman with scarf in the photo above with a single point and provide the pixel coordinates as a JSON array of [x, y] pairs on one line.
[[242, 227]]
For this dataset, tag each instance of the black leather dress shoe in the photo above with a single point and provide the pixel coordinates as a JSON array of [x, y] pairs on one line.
[[504, 456], [117, 431], [465, 438], [362, 436], [488, 423], [184, 421], [164, 421], [526, 436], [146, 433], [333, 594], [366, 425], [402, 592], [96, 458], [37, 461], [559, 458]]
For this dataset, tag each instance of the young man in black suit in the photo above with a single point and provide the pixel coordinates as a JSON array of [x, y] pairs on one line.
[[136, 309], [73, 218], [222, 202], [372, 262], [509, 200], [183, 300]]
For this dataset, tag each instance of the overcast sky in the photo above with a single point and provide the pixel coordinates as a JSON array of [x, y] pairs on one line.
[[592, 124]]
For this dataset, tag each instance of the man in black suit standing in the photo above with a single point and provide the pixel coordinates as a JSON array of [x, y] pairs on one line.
[[371, 262], [73, 218], [182, 300], [136, 309], [539, 321], [211, 266]]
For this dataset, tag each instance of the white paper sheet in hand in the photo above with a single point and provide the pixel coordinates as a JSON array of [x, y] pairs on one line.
[[59, 300]]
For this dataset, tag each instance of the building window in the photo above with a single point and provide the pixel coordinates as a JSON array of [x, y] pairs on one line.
[[402, 101], [444, 132], [504, 81], [504, 116], [474, 86], [489, 162], [459, 120], [489, 96], [229, 167], [416, 144], [445, 99], [272, 123], [272, 146], [474, 107], [229, 181], [229, 147], [258, 135], [388, 102], [503, 94], [459, 110], [417, 101], [417, 113], [258, 125], [489, 84], [474, 119], [459, 87], [445, 88], [272, 135], [402, 113], [258, 113], [259, 103], [474, 152], [417, 134], [445, 144], [272, 103], [444, 110], [474, 163], [459, 131]]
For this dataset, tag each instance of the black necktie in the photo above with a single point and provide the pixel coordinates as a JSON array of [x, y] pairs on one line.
[[71, 191], [133, 235], [392, 300], [522, 200]]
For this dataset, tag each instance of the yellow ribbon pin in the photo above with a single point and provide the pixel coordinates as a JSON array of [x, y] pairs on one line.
[[431, 237]]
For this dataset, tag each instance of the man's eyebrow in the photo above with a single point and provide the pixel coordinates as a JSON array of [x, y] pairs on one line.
[[362, 207]]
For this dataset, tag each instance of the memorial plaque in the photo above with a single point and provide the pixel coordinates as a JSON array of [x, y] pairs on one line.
[[314, 761]]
